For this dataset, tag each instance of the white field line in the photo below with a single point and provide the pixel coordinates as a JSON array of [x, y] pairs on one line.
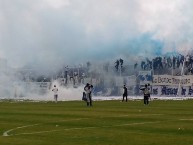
[[81, 128], [56, 130], [6, 133], [13, 129]]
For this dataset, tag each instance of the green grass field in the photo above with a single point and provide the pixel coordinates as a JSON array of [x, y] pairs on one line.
[[106, 123]]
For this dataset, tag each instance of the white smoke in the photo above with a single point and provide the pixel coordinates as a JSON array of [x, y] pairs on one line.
[[48, 34], [64, 93], [52, 32], [67, 93]]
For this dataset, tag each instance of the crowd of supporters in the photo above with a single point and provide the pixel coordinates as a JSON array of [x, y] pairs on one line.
[[161, 62], [165, 63]]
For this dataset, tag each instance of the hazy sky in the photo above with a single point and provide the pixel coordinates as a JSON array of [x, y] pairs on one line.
[[50, 32]]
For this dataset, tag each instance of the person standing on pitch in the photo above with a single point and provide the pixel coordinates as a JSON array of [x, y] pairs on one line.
[[124, 93], [90, 95], [55, 90], [87, 91], [150, 90], [146, 94]]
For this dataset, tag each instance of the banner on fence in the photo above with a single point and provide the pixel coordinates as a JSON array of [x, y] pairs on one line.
[[172, 91], [165, 80]]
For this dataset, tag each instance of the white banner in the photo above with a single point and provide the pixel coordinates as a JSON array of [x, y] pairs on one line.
[[172, 91], [165, 80]]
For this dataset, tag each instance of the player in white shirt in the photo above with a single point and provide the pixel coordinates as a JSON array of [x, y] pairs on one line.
[[55, 90]]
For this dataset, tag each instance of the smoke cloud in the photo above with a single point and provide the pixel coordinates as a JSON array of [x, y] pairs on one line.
[[49, 33]]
